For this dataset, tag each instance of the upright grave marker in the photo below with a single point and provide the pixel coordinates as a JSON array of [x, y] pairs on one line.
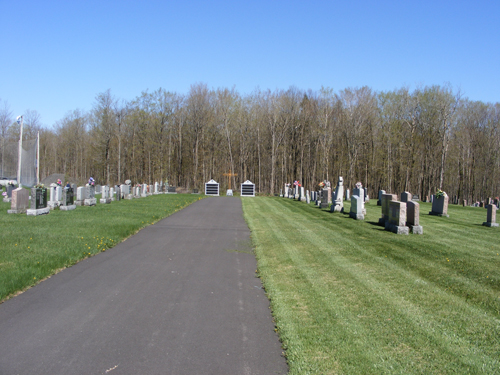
[[491, 217], [19, 202], [439, 204], [357, 208], [67, 200], [38, 202], [413, 217], [338, 198], [397, 218]]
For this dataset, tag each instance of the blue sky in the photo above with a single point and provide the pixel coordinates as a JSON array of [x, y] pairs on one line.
[[56, 56]]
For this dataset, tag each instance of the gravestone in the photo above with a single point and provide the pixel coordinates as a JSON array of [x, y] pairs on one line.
[[491, 217], [357, 208], [338, 197], [38, 202], [53, 203], [229, 192], [105, 199], [80, 195], [386, 202], [380, 193], [308, 197], [324, 198], [413, 217], [118, 193], [302, 194], [59, 194], [287, 186], [172, 190], [67, 200], [247, 189], [144, 191], [157, 186], [439, 205], [90, 199], [360, 192], [464, 203], [415, 198], [347, 195], [20, 201], [406, 196], [98, 189], [397, 218], [112, 194]]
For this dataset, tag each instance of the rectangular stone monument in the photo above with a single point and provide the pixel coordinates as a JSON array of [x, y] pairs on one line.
[[112, 194], [386, 201], [105, 199], [302, 194], [413, 217], [380, 193], [80, 196], [324, 198], [98, 189], [38, 202], [360, 192], [397, 218], [415, 198], [144, 191], [439, 205], [67, 200], [406, 196], [20, 201], [308, 197], [357, 208], [52, 203], [90, 199], [464, 203], [347, 195], [491, 216]]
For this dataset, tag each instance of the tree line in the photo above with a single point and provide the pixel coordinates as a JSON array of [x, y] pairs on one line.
[[416, 140]]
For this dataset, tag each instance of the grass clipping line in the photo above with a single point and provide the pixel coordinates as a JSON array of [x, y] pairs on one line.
[[35, 248], [351, 298]]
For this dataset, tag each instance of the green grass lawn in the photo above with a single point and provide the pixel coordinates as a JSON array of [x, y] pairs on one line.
[[33, 248], [351, 298]]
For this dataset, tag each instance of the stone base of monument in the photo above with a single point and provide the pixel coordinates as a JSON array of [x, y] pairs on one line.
[[487, 224], [397, 229], [356, 216], [40, 211], [438, 214], [105, 200], [67, 208], [7, 200], [112, 199], [52, 204], [416, 229], [79, 203], [144, 195], [336, 207], [16, 211], [90, 202], [129, 196], [382, 221], [324, 205]]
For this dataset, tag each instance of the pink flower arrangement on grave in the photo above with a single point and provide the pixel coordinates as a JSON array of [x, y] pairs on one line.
[[296, 183], [4, 193], [59, 182], [91, 181], [359, 185]]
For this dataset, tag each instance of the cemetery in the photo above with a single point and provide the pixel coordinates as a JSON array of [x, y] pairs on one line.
[[316, 235]]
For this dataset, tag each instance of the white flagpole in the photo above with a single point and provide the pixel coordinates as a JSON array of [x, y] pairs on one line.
[[20, 121], [38, 158]]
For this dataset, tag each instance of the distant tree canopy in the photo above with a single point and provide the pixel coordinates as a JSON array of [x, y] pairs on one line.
[[399, 140]]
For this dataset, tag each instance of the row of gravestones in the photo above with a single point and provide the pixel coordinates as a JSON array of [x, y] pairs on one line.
[[64, 197], [401, 217]]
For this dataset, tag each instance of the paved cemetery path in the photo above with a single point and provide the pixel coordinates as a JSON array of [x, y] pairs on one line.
[[179, 297]]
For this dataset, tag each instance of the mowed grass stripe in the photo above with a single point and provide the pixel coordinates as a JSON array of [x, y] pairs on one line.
[[380, 302]]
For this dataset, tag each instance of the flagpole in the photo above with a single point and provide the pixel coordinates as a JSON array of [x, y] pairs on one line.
[[38, 158], [20, 121]]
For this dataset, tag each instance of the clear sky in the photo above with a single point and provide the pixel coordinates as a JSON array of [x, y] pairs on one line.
[[56, 56]]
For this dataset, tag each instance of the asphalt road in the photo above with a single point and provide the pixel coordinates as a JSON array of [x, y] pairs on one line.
[[179, 297]]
